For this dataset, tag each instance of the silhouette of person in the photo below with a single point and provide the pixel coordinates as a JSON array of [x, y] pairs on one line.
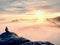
[[6, 29]]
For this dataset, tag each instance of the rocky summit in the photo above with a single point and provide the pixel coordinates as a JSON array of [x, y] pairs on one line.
[[11, 38]]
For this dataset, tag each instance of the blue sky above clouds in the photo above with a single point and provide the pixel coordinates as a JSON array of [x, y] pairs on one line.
[[23, 6]]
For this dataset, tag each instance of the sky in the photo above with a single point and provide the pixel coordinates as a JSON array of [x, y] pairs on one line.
[[28, 18], [23, 6]]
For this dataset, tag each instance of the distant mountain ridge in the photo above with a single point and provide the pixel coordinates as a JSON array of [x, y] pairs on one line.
[[11, 38]]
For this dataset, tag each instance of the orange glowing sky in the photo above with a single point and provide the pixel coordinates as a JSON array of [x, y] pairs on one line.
[[27, 18], [34, 26]]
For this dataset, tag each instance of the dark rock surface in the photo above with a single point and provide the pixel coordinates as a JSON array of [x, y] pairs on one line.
[[11, 38]]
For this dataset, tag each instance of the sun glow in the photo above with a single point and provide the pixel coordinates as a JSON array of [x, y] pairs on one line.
[[40, 16]]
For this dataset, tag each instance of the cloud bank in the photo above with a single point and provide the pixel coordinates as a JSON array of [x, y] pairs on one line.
[[23, 6]]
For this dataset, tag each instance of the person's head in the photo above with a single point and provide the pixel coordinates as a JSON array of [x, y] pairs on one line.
[[6, 29]]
